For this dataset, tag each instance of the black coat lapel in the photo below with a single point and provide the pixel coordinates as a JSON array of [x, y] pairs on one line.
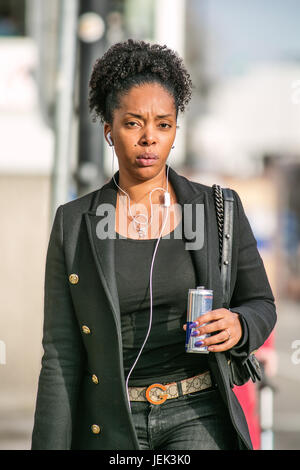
[[104, 250]]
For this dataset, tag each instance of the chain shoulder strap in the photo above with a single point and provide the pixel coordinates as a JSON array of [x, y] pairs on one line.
[[219, 205], [224, 210]]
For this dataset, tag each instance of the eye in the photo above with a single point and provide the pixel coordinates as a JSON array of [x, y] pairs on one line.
[[164, 124], [131, 123]]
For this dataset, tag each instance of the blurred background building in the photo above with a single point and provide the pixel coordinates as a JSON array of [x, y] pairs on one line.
[[241, 130]]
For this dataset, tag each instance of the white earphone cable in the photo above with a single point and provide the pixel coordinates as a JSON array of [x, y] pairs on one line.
[[150, 320], [152, 264]]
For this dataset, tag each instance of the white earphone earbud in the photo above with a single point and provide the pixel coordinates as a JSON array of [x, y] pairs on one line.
[[109, 139]]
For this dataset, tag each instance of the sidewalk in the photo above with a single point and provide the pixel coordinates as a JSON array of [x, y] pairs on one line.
[[287, 381], [15, 431]]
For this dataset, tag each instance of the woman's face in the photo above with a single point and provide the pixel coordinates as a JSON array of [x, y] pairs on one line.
[[144, 125]]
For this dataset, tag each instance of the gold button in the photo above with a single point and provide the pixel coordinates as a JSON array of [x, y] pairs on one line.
[[95, 428], [86, 330], [95, 379], [73, 278]]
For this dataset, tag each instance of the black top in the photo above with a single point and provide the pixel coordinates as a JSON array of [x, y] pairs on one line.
[[163, 358]]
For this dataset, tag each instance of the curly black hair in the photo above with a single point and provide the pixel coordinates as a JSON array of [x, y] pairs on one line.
[[131, 63]]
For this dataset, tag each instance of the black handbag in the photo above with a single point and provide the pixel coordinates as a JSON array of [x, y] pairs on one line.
[[240, 370]]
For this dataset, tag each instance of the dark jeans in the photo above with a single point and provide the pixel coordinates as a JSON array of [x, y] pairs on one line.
[[196, 421]]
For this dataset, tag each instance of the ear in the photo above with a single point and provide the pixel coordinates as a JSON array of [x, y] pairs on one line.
[[107, 129]]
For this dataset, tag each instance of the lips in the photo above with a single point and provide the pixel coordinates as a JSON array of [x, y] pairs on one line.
[[146, 159], [148, 155]]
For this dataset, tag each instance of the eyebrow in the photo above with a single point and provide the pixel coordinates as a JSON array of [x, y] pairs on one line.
[[161, 116]]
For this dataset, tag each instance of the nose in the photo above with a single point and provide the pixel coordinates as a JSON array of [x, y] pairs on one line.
[[148, 138]]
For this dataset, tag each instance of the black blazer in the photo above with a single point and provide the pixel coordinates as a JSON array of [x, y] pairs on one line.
[[82, 380]]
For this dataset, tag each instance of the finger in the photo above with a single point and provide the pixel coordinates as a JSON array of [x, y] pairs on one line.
[[216, 325], [211, 316], [222, 346], [215, 339], [192, 325]]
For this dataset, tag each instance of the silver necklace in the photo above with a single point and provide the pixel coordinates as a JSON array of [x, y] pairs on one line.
[[141, 227]]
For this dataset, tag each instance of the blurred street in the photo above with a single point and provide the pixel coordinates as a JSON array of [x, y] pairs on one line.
[[15, 430]]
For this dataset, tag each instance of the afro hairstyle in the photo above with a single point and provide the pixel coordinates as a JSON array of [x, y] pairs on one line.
[[132, 63]]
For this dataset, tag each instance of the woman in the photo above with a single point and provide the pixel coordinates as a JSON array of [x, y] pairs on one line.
[[105, 347]]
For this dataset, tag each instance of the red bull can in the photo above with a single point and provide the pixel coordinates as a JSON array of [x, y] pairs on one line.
[[199, 302]]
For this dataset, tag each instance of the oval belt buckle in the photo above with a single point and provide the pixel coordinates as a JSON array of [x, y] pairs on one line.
[[163, 397]]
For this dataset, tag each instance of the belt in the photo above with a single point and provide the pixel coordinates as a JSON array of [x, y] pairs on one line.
[[159, 393]]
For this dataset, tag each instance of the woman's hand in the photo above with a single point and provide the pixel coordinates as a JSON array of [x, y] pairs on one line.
[[224, 321]]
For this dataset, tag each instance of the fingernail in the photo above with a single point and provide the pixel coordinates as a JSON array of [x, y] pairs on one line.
[[193, 325], [198, 343], [194, 333]]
